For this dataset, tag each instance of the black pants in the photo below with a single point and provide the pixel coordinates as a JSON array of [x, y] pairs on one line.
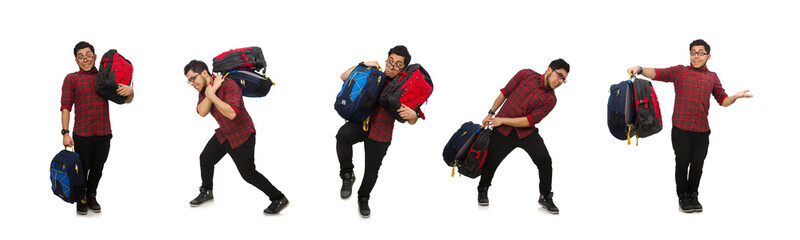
[[244, 158], [351, 133], [500, 146], [690, 153], [94, 153]]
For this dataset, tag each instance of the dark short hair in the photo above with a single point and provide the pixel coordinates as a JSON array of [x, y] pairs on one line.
[[196, 66], [82, 45], [402, 51], [700, 42], [559, 64]]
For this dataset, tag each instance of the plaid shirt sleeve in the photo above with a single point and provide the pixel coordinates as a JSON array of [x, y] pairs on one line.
[[232, 97], [514, 82], [668, 74], [542, 110], [718, 91], [67, 94]]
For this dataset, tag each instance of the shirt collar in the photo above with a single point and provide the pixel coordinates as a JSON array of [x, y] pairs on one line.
[[94, 70], [702, 69], [539, 80]]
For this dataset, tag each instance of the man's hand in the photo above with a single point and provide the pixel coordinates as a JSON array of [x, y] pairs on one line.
[[487, 120], [68, 142], [212, 87], [124, 90], [496, 122], [633, 71], [372, 64], [743, 94], [407, 113]]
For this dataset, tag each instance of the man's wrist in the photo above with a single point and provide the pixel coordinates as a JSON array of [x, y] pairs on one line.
[[64, 131], [491, 112]]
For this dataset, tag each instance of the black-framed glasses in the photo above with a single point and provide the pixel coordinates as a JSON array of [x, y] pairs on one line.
[[191, 79], [702, 54], [389, 63], [561, 76], [88, 57]]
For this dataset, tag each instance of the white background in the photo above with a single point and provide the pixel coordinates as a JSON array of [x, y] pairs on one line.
[[604, 188]]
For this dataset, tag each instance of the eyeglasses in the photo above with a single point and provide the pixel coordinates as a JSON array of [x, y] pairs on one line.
[[702, 54], [191, 79], [397, 66], [88, 57], [560, 76]]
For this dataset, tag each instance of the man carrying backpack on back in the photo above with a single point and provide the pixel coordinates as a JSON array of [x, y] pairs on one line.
[[377, 137], [235, 136], [91, 135], [529, 97], [690, 129]]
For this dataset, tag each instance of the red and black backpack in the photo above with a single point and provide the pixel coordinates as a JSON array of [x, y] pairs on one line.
[[114, 70], [412, 87]]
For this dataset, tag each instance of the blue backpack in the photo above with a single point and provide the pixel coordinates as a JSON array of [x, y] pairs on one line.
[[457, 147], [620, 109], [360, 92], [253, 84], [66, 176]]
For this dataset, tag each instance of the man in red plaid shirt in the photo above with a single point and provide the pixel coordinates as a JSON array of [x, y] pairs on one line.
[[91, 137], [236, 135], [526, 99], [690, 129], [377, 137]]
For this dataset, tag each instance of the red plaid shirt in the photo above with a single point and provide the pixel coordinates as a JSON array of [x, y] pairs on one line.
[[692, 90], [235, 131], [381, 125], [526, 95], [91, 110]]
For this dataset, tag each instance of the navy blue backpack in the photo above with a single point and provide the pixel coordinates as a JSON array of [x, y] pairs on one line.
[[360, 92], [66, 176], [457, 147], [253, 84], [620, 109]]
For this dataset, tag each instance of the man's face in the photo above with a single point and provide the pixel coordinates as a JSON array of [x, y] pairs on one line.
[[394, 64], [197, 80], [554, 79], [698, 56], [85, 59]]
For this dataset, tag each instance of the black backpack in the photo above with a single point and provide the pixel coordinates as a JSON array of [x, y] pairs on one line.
[[114, 69], [250, 57], [458, 145], [648, 111], [412, 87], [472, 164]]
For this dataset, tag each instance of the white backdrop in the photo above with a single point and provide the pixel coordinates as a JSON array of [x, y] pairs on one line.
[[603, 187]]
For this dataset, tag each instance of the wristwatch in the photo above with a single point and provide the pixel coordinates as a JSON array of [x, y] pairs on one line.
[[640, 70], [64, 131], [491, 112]]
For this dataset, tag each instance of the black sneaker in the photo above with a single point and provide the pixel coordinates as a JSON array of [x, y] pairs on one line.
[[363, 207], [276, 206], [91, 202], [206, 195], [81, 208], [547, 203], [483, 196], [696, 206], [347, 184], [685, 203]]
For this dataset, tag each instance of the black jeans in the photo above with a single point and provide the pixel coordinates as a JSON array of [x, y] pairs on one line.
[[500, 146], [94, 153], [349, 134], [690, 153], [244, 158]]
